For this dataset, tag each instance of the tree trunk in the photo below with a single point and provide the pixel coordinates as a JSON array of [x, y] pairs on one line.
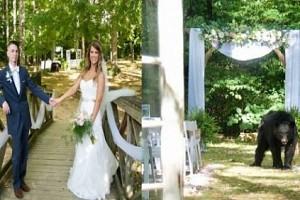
[[34, 36], [53, 50], [21, 29], [83, 47], [190, 10], [114, 52], [209, 9], [7, 21], [132, 51], [15, 16], [45, 61], [114, 47], [172, 93]]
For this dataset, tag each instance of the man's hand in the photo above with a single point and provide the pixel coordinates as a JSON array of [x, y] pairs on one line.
[[5, 107], [52, 102]]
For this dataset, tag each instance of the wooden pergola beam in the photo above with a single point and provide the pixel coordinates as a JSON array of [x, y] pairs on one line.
[[280, 55], [208, 54]]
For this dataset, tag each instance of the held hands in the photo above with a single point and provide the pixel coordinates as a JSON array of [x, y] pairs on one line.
[[5, 108], [53, 102]]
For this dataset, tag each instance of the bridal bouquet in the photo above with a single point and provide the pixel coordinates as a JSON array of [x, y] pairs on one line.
[[83, 125]]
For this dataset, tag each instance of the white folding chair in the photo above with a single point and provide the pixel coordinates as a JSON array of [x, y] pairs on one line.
[[152, 126], [155, 149], [198, 146], [192, 144], [151, 143]]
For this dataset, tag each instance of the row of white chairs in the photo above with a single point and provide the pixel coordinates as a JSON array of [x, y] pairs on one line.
[[192, 137], [193, 149]]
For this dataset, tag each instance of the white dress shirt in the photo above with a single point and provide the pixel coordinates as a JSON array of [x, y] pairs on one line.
[[16, 77]]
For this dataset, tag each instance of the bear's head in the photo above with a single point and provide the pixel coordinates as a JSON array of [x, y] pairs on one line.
[[284, 131]]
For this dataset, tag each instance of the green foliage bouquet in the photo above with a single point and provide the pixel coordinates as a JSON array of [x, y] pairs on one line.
[[82, 125]]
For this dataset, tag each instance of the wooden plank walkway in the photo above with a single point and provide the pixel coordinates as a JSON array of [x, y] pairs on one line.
[[50, 159]]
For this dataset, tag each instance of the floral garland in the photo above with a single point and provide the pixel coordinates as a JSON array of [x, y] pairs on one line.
[[270, 38]]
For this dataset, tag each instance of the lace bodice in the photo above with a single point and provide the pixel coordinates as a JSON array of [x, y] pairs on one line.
[[88, 90]]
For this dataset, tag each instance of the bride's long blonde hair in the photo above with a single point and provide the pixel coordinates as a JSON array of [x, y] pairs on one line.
[[95, 44]]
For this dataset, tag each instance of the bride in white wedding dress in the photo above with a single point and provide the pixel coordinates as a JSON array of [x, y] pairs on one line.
[[94, 164]]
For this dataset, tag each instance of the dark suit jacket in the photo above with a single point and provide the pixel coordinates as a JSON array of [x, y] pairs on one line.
[[19, 109]]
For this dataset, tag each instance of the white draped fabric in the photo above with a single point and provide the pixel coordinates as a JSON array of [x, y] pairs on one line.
[[196, 70], [196, 96], [133, 151], [292, 73], [248, 51], [36, 124], [3, 137]]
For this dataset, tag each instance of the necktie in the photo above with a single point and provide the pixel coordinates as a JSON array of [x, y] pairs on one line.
[[16, 78]]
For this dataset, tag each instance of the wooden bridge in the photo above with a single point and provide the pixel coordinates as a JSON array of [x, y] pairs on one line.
[[51, 156]]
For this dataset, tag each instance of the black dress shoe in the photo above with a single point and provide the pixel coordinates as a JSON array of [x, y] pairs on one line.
[[18, 193]]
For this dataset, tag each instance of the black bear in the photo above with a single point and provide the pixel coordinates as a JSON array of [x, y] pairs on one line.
[[277, 130]]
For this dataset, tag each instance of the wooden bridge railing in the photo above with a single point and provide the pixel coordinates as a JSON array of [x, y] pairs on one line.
[[5, 140], [127, 112]]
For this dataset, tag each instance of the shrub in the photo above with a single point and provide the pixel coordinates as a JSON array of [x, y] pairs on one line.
[[238, 94], [205, 123], [296, 114]]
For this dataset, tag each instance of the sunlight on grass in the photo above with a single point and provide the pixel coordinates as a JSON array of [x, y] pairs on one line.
[[256, 172], [240, 146], [237, 180], [258, 196]]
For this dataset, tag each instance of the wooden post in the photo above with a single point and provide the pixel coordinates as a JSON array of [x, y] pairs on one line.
[[128, 161], [172, 93], [136, 131]]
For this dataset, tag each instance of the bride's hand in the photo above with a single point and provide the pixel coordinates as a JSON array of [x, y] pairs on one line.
[[92, 118], [57, 101]]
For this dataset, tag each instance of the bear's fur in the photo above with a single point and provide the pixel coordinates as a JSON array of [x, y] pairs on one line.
[[277, 130]]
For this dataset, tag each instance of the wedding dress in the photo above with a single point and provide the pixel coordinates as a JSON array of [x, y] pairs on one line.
[[94, 164]]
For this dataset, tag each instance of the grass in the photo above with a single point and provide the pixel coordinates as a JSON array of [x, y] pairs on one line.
[[237, 180]]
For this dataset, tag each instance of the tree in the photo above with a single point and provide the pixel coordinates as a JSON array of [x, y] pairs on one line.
[[21, 35], [71, 24], [231, 87], [119, 17], [273, 14]]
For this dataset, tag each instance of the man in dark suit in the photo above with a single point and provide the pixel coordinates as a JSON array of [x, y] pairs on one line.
[[14, 81]]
